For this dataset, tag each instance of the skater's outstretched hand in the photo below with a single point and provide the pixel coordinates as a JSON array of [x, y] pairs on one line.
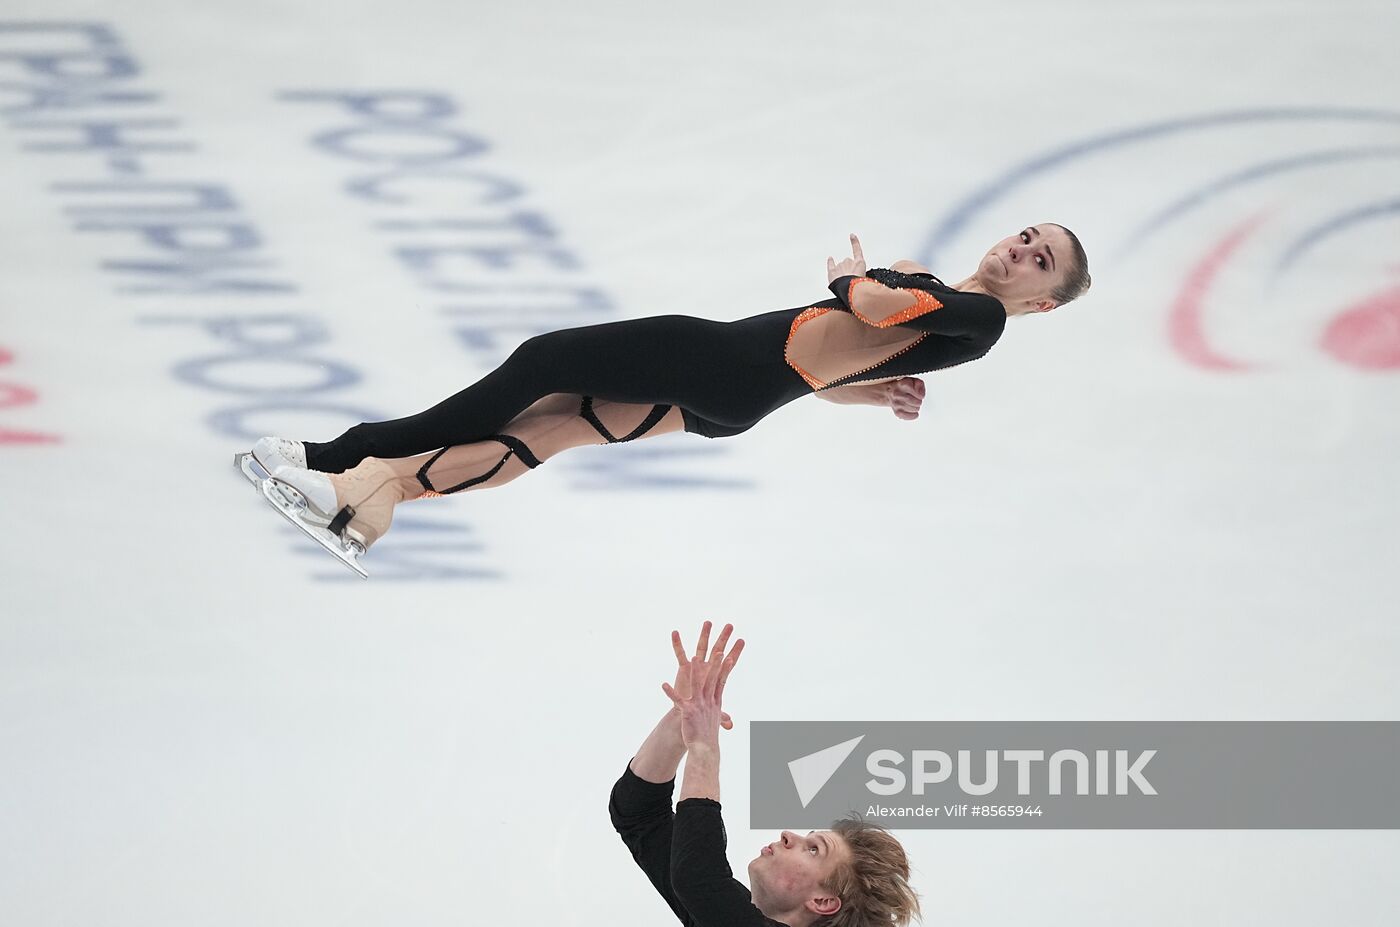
[[705, 676], [905, 396], [847, 267], [682, 683]]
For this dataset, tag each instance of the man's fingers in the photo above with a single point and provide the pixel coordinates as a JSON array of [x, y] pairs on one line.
[[703, 644], [678, 647], [725, 721], [718, 652], [706, 684], [718, 665], [685, 677], [671, 694], [855, 248], [728, 665]]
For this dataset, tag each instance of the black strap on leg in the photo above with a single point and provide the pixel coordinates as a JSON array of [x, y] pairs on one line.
[[657, 413], [341, 519], [518, 448], [513, 446]]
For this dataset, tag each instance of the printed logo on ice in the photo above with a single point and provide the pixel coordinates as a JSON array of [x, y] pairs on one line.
[[1156, 774], [17, 396], [1258, 229]]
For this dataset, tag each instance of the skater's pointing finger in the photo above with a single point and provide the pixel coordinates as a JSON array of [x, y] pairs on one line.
[[855, 248]]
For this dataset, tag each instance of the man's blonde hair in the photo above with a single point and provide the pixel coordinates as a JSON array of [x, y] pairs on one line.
[[874, 885]]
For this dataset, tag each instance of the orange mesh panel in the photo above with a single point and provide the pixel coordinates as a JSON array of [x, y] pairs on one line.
[[923, 303], [803, 317]]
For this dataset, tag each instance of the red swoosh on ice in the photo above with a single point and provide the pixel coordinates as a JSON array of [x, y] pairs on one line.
[[1185, 322]]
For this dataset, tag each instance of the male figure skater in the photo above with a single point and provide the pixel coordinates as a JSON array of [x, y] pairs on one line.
[[854, 875]]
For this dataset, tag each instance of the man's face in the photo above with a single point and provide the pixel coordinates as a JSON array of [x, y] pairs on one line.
[[789, 872]]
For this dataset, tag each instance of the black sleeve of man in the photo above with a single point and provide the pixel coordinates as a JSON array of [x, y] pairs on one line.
[[700, 873], [641, 815]]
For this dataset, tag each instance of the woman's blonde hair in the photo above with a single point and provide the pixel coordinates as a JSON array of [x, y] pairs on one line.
[[1077, 280]]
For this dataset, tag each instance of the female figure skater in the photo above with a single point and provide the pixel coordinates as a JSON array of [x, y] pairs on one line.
[[853, 875], [620, 381]]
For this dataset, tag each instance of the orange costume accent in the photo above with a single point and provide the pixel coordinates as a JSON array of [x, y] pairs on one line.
[[803, 317], [877, 306], [866, 304]]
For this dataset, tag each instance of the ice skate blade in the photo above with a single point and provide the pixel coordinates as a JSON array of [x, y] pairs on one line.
[[252, 471], [288, 501]]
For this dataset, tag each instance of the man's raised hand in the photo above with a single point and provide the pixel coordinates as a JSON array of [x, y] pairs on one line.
[[701, 679], [682, 683]]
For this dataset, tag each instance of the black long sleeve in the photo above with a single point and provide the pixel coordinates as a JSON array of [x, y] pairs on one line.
[[700, 871], [937, 309], [641, 815], [682, 854]]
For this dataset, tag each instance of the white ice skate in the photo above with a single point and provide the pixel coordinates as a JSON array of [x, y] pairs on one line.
[[267, 455], [289, 495], [305, 506], [271, 453]]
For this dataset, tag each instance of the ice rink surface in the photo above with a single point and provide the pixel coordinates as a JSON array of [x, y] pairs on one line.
[[1174, 499]]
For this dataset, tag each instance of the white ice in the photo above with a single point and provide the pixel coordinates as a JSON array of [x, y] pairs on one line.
[[203, 720]]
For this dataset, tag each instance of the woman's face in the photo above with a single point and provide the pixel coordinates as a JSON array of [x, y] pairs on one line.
[[1023, 269]]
